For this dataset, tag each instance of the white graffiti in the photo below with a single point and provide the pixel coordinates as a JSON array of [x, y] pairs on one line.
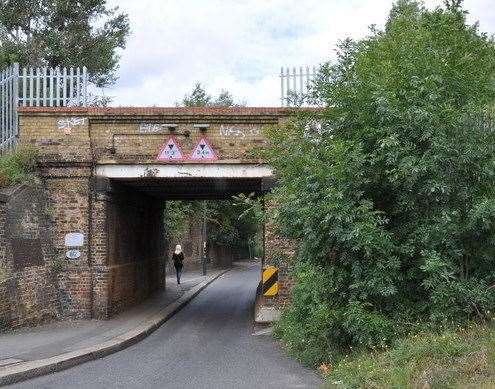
[[67, 124], [235, 132], [151, 127]]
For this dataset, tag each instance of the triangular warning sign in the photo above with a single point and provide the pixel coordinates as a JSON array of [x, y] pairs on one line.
[[170, 151], [203, 151]]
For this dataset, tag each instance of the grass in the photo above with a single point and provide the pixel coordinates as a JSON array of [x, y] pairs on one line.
[[17, 166], [462, 359]]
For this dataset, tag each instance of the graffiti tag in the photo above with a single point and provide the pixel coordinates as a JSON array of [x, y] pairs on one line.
[[66, 124], [151, 127], [236, 132]]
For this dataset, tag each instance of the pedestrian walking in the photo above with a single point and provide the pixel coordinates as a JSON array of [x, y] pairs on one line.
[[178, 258]]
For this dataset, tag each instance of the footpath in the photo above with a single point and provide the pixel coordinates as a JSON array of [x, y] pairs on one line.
[[30, 352]]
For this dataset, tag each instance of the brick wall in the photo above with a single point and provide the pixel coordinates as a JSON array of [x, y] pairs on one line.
[[136, 248], [29, 295], [131, 135], [5, 306], [278, 252], [68, 192]]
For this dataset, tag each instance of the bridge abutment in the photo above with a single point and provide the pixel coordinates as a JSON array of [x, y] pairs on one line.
[[130, 248]]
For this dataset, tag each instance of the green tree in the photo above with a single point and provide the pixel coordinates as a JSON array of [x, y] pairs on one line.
[[63, 33], [200, 98], [389, 189]]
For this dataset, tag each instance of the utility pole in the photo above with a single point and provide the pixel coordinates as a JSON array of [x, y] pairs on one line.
[[203, 239]]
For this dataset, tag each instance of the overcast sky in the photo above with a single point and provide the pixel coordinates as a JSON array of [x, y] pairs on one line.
[[240, 45]]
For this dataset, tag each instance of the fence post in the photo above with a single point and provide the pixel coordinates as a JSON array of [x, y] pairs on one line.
[[282, 86], [85, 86], [15, 99]]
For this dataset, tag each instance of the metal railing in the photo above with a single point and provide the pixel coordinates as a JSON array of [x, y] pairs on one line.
[[37, 87], [9, 89], [294, 83]]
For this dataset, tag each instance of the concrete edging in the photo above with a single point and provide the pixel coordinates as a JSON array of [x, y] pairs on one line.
[[31, 369]]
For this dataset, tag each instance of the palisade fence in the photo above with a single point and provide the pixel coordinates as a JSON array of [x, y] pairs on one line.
[[37, 87], [294, 83]]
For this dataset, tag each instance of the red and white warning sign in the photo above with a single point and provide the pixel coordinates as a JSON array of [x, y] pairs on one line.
[[170, 151], [203, 151]]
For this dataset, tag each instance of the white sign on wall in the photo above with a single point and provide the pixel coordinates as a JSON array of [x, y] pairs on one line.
[[74, 239], [73, 254]]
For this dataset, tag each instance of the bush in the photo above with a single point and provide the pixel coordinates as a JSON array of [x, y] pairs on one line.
[[17, 166], [389, 190]]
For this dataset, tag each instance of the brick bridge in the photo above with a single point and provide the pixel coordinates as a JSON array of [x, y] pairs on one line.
[[107, 172]]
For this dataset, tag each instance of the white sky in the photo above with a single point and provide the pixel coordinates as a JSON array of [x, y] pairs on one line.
[[240, 45]]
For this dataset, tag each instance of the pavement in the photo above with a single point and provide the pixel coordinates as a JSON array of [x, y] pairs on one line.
[[29, 352], [207, 344]]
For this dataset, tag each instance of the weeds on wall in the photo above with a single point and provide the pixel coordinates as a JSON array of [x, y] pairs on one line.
[[4, 273], [58, 265], [18, 166]]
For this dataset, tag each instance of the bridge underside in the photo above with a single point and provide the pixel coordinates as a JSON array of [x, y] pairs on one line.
[[192, 188], [190, 182]]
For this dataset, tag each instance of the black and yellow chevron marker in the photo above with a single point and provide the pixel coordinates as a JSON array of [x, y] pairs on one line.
[[270, 281]]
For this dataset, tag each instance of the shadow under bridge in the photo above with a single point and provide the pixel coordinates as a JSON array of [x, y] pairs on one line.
[[130, 203]]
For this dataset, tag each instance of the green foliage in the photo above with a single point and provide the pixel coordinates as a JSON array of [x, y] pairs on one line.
[[200, 98], [18, 166], [232, 223], [389, 190], [176, 215], [425, 360], [58, 265], [63, 33]]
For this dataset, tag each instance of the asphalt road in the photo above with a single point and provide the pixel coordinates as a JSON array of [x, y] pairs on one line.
[[208, 344]]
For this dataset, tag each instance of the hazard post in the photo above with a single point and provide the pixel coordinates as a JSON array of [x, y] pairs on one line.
[[270, 281]]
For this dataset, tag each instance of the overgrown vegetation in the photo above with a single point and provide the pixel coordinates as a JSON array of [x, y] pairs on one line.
[[389, 190], [177, 213], [234, 223], [17, 166], [451, 359]]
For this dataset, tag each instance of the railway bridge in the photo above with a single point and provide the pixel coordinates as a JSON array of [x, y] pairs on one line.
[[107, 173]]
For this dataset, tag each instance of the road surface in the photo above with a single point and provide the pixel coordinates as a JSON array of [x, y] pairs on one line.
[[208, 344]]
